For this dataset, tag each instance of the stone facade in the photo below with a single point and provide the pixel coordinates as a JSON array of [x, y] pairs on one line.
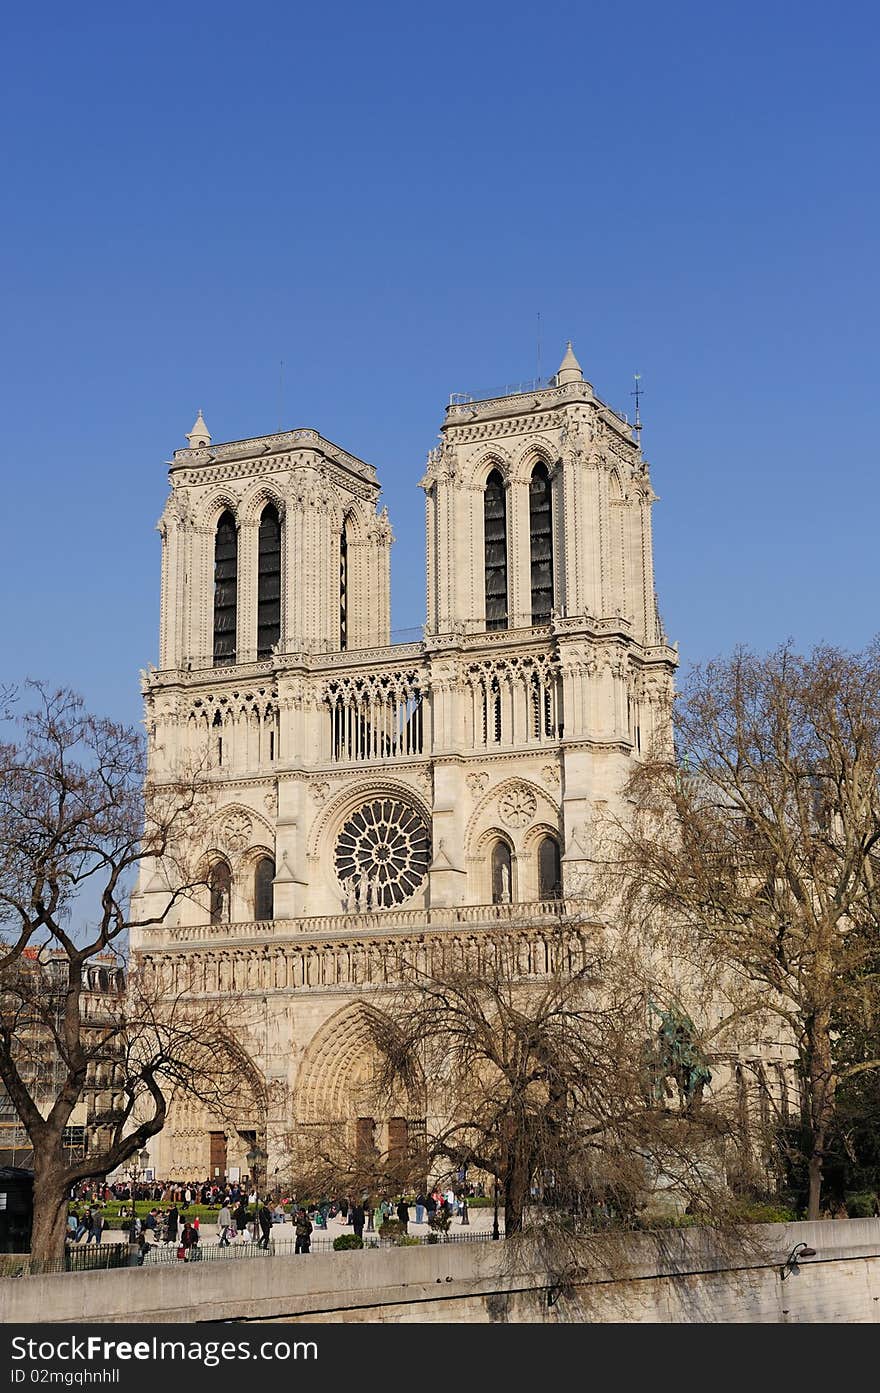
[[379, 801]]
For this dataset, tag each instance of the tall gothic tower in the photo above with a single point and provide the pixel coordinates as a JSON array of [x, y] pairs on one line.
[[374, 800]]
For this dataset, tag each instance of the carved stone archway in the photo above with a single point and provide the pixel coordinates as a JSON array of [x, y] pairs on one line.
[[340, 1109]]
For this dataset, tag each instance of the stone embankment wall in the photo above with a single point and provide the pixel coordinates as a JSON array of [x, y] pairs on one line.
[[675, 1276]]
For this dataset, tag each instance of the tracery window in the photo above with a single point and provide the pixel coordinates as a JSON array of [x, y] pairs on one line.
[[502, 869], [225, 589], [541, 544], [264, 874], [549, 870], [268, 582], [382, 854], [220, 886], [495, 542]]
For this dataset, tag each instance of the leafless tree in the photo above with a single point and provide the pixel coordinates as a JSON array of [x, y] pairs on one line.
[[752, 858], [78, 810], [549, 1084]]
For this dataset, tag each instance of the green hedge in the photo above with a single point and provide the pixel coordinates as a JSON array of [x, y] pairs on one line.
[[861, 1205], [346, 1241]]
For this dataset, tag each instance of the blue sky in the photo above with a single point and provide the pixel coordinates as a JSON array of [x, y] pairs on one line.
[[385, 197]]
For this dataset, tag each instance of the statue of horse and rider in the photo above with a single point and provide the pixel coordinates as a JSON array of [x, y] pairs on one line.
[[675, 1059]]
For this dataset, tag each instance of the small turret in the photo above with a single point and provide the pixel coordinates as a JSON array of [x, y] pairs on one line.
[[569, 368], [199, 436]]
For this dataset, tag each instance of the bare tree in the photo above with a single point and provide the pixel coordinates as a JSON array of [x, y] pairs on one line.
[[323, 1162], [752, 858], [78, 810], [549, 1085]]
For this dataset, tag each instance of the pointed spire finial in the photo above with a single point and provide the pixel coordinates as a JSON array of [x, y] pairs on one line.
[[569, 368], [199, 435]]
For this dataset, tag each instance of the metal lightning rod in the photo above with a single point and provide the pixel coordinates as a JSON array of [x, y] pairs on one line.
[[637, 425]]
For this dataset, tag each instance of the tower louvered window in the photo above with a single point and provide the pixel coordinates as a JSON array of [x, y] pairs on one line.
[[269, 582], [541, 544], [495, 534], [343, 589], [225, 589]]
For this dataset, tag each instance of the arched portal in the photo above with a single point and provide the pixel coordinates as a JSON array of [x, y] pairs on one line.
[[345, 1118]]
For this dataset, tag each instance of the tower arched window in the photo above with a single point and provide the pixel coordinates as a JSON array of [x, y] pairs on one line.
[[541, 544], [220, 886], [495, 542], [502, 874], [268, 582], [264, 874], [343, 588], [549, 870], [225, 589]]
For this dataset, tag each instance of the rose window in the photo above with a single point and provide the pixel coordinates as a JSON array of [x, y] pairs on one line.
[[382, 853], [518, 806]]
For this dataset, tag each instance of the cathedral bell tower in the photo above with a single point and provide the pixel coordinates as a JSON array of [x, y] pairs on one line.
[[539, 555]]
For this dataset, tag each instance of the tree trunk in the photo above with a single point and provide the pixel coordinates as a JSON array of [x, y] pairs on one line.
[[51, 1187], [516, 1192], [820, 1079], [815, 1169]]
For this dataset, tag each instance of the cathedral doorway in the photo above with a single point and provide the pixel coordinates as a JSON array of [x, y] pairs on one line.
[[217, 1155], [350, 1130]]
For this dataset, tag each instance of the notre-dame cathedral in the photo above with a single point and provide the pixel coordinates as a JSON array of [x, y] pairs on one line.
[[375, 802]]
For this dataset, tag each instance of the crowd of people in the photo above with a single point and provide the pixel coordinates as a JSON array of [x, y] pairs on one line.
[[243, 1215]]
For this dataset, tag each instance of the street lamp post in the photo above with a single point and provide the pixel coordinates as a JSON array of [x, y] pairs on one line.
[[137, 1167], [463, 1189], [256, 1158]]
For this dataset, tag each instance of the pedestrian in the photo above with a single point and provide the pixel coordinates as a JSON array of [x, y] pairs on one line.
[[224, 1224], [240, 1217], [265, 1218], [430, 1207], [303, 1233], [403, 1214], [188, 1242], [96, 1227], [358, 1218], [420, 1208], [172, 1222]]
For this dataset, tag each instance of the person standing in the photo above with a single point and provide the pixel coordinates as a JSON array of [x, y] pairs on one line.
[[96, 1227], [224, 1223], [403, 1214], [265, 1218], [358, 1218], [303, 1233], [240, 1218], [171, 1223], [420, 1208]]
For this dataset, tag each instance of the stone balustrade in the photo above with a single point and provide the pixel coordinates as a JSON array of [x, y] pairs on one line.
[[380, 922]]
